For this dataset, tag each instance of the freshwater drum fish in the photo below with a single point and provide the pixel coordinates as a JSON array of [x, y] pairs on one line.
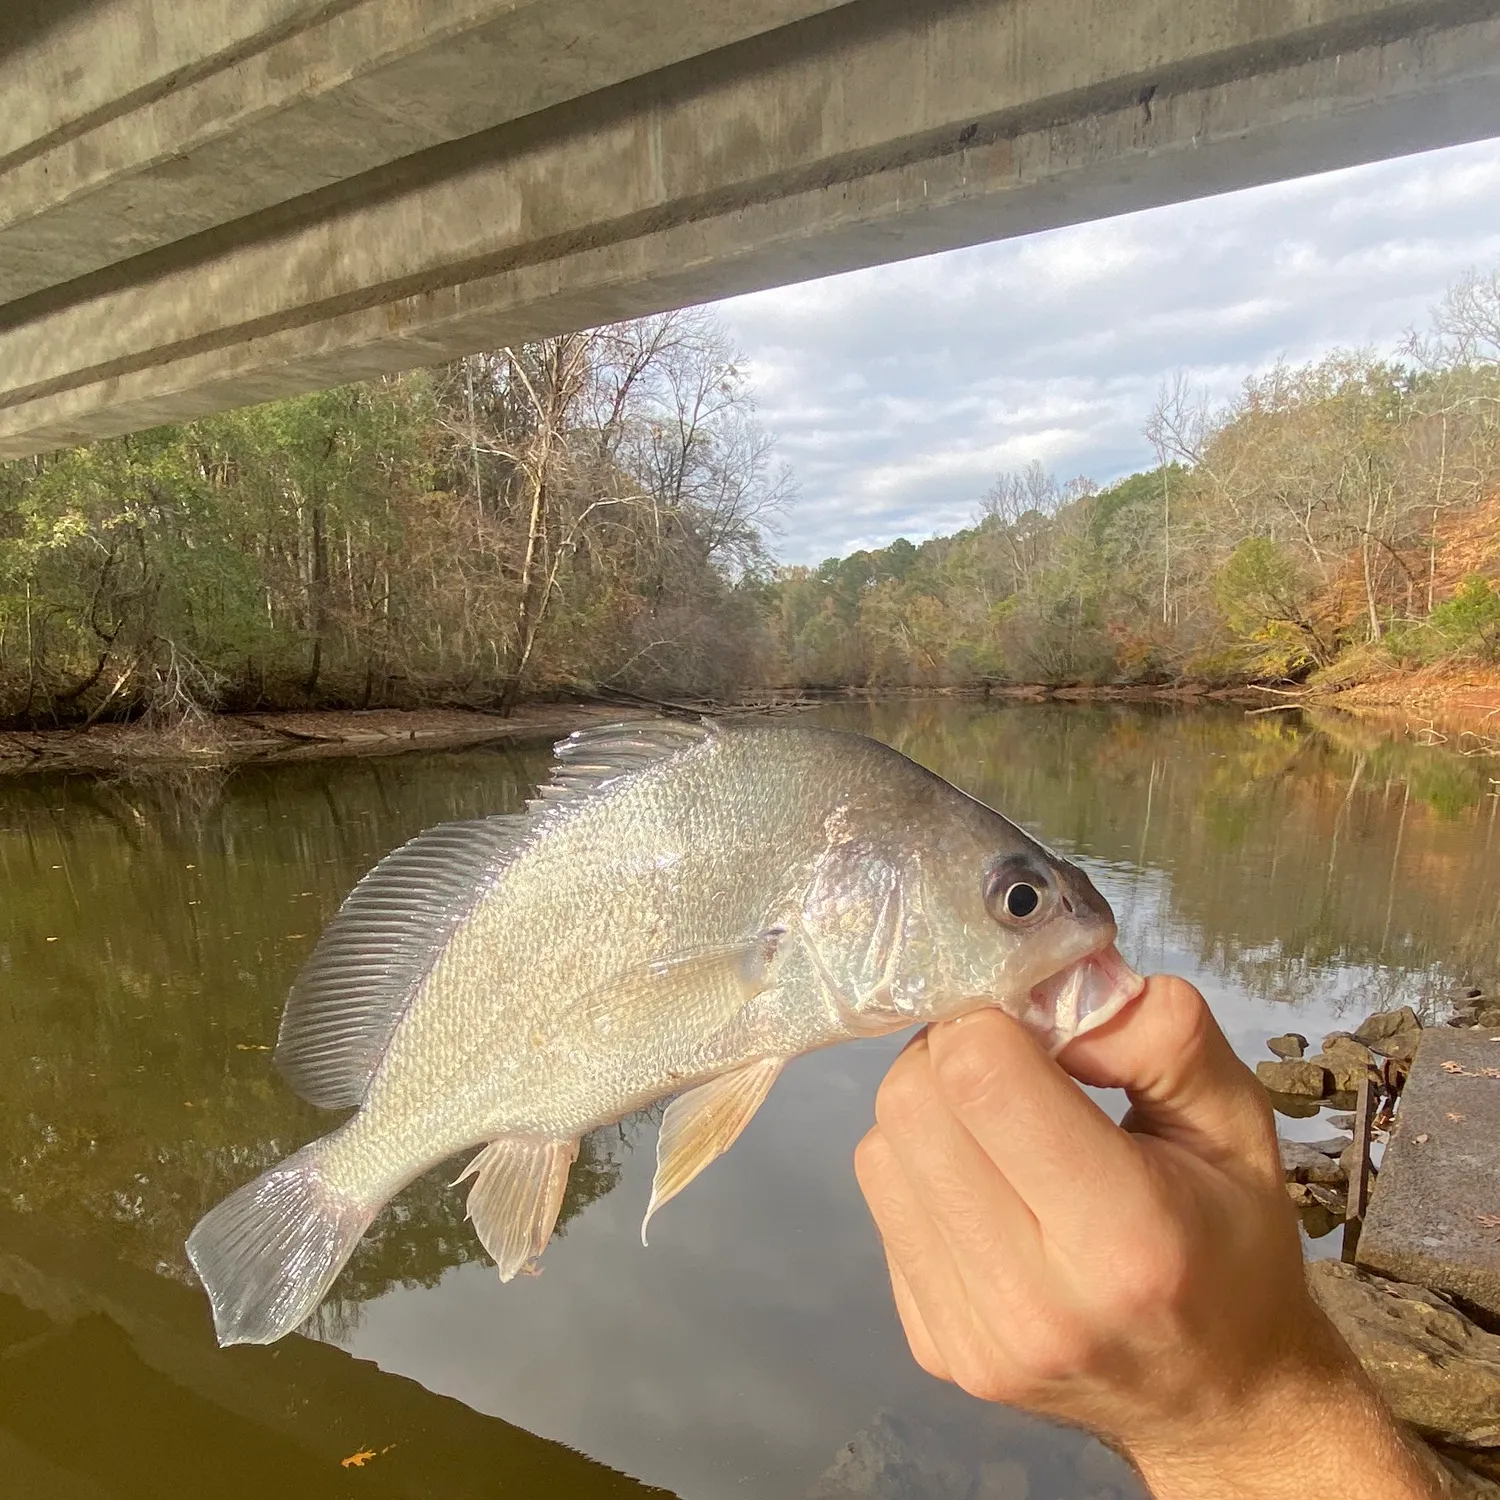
[[683, 909]]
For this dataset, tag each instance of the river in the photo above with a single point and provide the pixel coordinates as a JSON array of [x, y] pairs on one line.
[[1301, 872]]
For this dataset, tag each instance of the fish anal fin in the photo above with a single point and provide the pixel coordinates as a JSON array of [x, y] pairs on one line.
[[704, 1123], [702, 989], [517, 1193]]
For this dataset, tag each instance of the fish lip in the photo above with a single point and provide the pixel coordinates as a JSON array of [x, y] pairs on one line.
[[1083, 995]]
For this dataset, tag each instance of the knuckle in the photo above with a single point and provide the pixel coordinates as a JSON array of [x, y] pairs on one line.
[[872, 1160], [980, 1377], [1153, 1280], [1058, 1349], [903, 1095], [969, 1076], [930, 1360]]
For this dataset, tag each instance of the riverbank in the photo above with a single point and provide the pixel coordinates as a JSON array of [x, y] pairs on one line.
[[238, 739], [1454, 702], [1437, 706]]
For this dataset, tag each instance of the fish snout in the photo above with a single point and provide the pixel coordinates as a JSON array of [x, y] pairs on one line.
[[1082, 901]]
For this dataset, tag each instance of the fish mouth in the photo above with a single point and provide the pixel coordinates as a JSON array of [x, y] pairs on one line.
[[1081, 997]]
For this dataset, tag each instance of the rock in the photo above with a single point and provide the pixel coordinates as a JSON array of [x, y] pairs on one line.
[[1333, 1145], [1293, 1106], [895, 1456], [1391, 1033], [1318, 1218], [1461, 1481], [1289, 1047], [1303, 1163], [1346, 1061], [1341, 1122], [1488, 1018], [1437, 1371], [1383, 1023], [1309, 1080]]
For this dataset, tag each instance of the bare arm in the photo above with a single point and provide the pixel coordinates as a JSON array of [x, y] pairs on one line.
[[1143, 1281]]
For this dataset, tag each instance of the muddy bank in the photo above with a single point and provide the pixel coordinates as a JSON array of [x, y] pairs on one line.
[[1456, 703], [235, 739]]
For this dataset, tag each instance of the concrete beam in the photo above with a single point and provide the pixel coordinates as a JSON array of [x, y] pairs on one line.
[[188, 117], [868, 132]]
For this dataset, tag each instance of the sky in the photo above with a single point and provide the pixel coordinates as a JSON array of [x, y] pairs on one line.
[[898, 393]]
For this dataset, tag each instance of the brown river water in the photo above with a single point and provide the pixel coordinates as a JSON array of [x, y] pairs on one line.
[[1302, 873]]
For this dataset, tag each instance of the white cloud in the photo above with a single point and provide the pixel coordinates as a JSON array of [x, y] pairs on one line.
[[898, 392]]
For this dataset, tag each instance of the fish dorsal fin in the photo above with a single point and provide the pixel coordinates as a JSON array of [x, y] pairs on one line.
[[592, 758], [356, 985]]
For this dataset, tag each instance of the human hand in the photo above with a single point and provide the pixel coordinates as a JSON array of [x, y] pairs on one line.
[[1143, 1281]]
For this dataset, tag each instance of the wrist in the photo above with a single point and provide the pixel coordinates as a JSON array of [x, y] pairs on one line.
[[1319, 1415]]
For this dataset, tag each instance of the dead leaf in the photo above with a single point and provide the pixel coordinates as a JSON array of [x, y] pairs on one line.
[[1452, 1067], [360, 1459], [1455, 1116], [1422, 1139], [251, 1047]]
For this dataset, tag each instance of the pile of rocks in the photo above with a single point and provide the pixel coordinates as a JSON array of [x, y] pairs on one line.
[[1317, 1178], [1381, 1047], [1474, 1008]]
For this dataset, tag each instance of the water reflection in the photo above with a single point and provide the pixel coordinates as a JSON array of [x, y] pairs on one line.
[[1297, 870]]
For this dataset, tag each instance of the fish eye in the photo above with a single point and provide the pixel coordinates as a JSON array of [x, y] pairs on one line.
[[1015, 894], [1021, 900]]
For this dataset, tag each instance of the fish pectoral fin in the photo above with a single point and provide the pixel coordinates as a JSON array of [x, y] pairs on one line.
[[704, 987], [517, 1192], [704, 1123]]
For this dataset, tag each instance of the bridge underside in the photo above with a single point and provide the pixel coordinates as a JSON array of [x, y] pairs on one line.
[[208, 205]]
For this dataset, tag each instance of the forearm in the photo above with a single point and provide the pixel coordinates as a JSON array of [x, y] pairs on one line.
[[1322, 1420]]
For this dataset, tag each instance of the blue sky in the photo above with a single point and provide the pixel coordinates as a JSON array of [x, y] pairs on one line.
[[899, 392]]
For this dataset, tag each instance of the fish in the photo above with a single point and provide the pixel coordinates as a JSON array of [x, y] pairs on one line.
[[683, 908]]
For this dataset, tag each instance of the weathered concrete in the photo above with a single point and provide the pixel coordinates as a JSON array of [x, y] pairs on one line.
[[289, 194], [187, 117], [1434, 1217]]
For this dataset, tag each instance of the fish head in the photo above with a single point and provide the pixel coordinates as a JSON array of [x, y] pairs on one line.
[[999, 920]]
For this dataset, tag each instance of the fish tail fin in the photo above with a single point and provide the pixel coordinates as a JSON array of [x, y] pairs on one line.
[[269, 1252]]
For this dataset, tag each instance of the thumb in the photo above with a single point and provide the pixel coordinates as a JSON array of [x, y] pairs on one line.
[[1182, 1077]]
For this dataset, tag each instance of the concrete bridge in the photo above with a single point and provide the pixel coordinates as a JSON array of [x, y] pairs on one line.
[[209, 204]]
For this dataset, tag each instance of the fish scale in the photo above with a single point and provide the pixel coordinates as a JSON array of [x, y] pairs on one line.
[[684, 908]]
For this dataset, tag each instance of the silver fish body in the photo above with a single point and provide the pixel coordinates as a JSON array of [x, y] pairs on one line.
[[685, 908]]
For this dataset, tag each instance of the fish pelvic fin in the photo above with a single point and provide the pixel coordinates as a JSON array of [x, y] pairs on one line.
[[703, 1124], [517, 1195], [269, 1252]]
